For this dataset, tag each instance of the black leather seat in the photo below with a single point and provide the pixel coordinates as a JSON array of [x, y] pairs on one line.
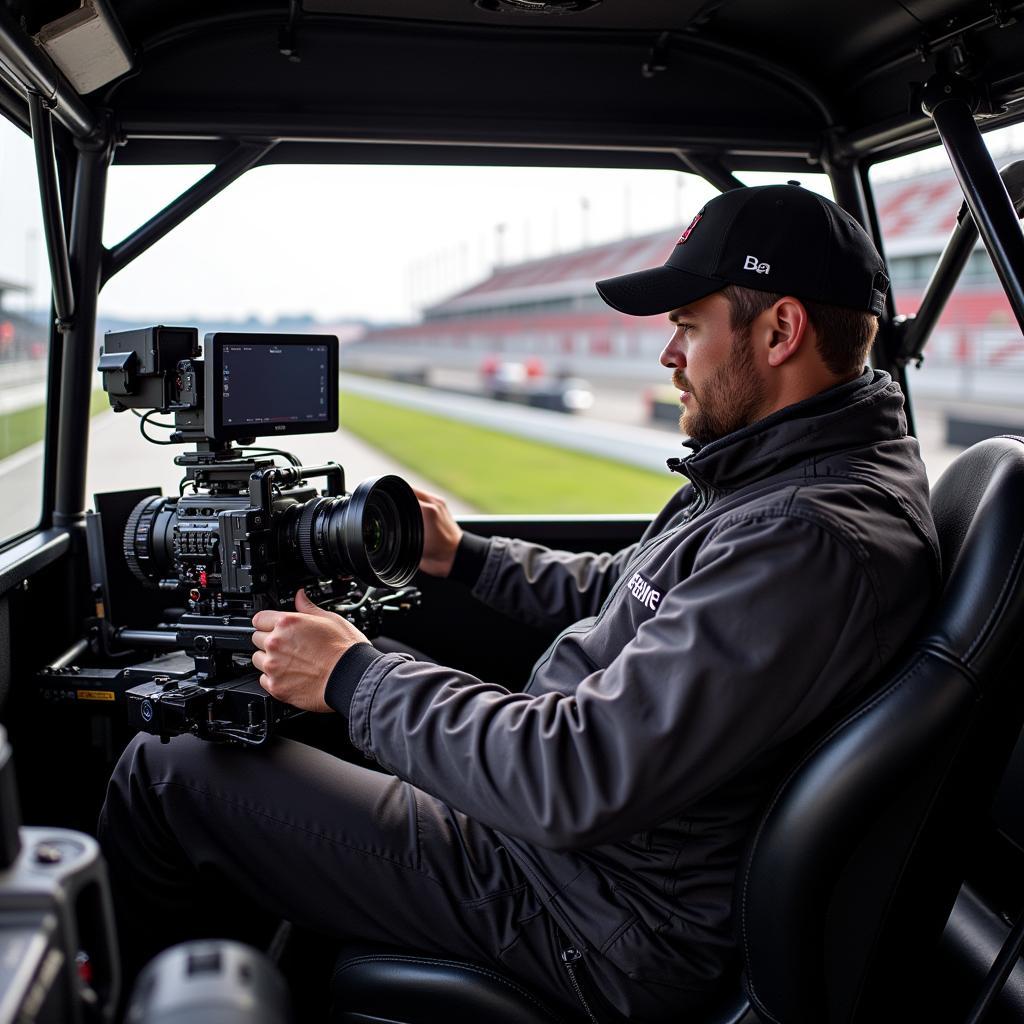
[[858, 861], [852, 871], [378, 985]]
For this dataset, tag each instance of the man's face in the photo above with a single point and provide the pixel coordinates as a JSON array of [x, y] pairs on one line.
[[715, 370]]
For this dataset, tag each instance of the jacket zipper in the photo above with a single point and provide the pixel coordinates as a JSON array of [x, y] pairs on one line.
[[570, 957], [701, 502], [697, 507]]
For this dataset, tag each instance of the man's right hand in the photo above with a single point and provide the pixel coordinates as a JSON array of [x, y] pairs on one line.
[[441, 534]]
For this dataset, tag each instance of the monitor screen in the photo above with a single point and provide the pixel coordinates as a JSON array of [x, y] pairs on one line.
[[269, 384]]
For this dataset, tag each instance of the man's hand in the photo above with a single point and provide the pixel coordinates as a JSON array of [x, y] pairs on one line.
[[441, 534], [297, 651]]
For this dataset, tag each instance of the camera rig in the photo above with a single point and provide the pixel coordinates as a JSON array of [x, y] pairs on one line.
[[245, 532]]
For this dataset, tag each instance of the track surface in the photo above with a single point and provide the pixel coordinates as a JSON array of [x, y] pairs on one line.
[[617, 427]]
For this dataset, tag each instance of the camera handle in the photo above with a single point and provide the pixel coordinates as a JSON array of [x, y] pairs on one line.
[[261, 482]]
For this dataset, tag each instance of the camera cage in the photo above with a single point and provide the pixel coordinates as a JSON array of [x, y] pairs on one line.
[[218, 696]]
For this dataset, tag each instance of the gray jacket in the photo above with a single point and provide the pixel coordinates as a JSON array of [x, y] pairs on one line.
[[770, 590]]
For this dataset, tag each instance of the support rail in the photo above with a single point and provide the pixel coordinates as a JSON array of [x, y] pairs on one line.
[[53, 214], [240, 160], [951, 102]]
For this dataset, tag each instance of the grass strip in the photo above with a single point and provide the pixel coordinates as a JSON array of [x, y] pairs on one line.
[[22, 427], [501, 473]]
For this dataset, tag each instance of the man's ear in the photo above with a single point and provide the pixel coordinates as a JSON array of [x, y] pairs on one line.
[[789, 325]]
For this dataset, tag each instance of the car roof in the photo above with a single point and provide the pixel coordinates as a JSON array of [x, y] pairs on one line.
[[660, 83]]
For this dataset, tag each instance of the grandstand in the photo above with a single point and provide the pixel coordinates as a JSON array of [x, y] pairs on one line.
[[23, 340], [547, 308]]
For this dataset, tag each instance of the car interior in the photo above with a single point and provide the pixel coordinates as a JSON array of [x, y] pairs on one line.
[[885, 879]]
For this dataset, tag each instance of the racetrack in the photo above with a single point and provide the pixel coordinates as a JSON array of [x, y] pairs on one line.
[[615, 427]]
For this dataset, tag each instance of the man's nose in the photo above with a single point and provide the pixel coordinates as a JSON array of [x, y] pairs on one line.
[[673, 355]]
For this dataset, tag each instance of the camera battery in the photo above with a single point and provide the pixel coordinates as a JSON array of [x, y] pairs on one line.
[[239, 710]]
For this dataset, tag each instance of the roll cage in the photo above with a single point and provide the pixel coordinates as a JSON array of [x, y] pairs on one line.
[[266, 85], [712, 88]]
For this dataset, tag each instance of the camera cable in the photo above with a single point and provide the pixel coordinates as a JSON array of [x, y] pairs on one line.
[[273, 451], [144, 418]]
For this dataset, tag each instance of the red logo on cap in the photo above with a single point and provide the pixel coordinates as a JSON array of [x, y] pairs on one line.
[[686, 234]]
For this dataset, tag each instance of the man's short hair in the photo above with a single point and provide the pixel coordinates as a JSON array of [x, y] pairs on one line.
[[844, 336]]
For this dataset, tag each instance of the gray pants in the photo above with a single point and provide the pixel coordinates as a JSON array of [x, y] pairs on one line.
[[204, 839]]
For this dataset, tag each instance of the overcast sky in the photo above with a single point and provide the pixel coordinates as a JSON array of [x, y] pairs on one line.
[[339, 242]]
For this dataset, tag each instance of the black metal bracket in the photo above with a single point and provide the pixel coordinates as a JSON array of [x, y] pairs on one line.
[[951, 42], [905, 346], [40, 114], [658, 58], [943, 87], [241, 159]]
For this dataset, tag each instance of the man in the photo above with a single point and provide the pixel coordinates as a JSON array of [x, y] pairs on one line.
[[602, 809]]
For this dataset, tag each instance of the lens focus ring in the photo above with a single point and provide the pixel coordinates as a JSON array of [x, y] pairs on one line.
[[137, 540], [307, 546]]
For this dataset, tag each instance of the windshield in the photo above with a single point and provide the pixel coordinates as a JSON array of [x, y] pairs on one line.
[[477, 359]]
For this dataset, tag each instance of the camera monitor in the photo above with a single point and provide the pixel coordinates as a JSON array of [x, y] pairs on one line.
[[260, 385]]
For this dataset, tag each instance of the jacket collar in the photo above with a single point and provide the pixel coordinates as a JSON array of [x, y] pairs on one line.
[[861, 412]]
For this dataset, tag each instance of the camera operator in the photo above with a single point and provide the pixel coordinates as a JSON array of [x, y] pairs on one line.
[[605, 807]]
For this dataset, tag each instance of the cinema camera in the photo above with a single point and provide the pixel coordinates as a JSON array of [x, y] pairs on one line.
[[245, 532]]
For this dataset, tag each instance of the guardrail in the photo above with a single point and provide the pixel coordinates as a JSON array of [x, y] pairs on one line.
[[23, 371]]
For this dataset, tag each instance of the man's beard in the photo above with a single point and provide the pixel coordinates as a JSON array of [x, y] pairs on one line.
[[731, 398]]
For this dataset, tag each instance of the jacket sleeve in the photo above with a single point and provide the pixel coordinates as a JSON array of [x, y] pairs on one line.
[[773, 623], [546, 588]]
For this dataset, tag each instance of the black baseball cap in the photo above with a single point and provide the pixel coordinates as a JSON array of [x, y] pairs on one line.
[[775, 238]]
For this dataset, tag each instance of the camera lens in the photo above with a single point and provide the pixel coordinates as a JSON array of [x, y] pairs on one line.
[[148, 541], [374, 534]]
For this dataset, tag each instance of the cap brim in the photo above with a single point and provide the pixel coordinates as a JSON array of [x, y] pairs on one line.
[[659, 290]]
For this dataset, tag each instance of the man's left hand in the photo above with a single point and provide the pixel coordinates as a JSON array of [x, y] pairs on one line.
[[296, 651]]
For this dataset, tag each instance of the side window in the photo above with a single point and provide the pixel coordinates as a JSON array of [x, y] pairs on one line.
[[969, 383], [24, 335]]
